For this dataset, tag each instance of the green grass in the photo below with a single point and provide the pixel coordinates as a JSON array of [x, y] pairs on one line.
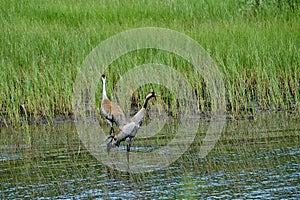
[[43, 44]]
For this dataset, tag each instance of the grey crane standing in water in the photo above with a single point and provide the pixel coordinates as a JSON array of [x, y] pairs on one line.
[[128, 130], [111, 111]]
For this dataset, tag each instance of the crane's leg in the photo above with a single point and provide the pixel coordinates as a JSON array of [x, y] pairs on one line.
[[127, 153], [111, 122], [111, 130]]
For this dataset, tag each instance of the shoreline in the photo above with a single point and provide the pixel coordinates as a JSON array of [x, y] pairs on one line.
[[203, 117]]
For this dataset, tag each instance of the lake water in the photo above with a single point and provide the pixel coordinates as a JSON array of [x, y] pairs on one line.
[[253, 159]]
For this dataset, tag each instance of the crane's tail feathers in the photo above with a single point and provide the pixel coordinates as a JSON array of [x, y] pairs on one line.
[[109, 139], [117, 144]]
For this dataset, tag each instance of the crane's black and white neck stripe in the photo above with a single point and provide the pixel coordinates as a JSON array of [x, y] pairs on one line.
[[149, 96]]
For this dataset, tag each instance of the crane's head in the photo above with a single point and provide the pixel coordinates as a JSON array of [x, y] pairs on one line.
[[151, 94], [103, 77]]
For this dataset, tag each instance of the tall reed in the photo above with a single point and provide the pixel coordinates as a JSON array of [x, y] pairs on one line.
[[43, 45]]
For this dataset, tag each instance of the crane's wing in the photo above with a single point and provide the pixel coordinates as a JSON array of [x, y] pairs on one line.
[[118, 115], [129, 130], [113, 112], [138, 118]]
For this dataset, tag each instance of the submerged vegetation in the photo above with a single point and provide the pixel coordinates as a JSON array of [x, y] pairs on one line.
[[43, 44]]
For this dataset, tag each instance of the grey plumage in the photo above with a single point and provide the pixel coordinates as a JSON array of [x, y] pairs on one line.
[[128, 131]]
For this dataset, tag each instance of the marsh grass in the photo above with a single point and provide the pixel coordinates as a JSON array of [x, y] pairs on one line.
[[43, 44]]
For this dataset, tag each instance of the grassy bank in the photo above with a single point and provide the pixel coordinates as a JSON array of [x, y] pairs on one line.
[[43, 44]]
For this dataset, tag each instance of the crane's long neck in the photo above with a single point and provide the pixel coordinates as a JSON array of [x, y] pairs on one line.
[[103, 90], [146, 102]]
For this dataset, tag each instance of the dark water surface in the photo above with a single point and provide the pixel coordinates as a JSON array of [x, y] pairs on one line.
[[254, 159]]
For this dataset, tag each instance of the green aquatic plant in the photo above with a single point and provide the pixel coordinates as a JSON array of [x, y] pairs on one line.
[[43, 45]]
